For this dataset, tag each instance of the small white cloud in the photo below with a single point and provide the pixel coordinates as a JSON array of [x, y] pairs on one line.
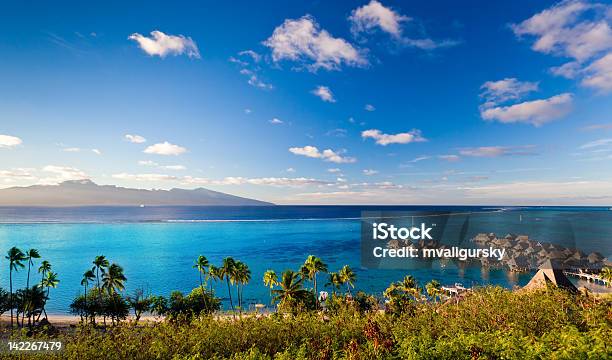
[[497, 92], [419, 158], [536, 112], [160, 44], [165, 148], [324, 93], [71, 149], [147, 163], [268, 181], [375, 15], [369, 107], [61, 174], [290, 170], [252, 54], [302, 40], [144, 177], [136, 139], [275, 121], [96, 151], [599, 74], [174, 167], [370, 172], [333, 170], [496, 151], [325, 155], [597, 143], [7, 141], [248, 111], [386, 139], [337, 133]]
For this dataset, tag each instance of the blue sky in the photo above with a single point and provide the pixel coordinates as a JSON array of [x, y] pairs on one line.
[[317, 102]]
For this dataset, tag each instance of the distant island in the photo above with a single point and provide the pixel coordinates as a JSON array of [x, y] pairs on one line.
[[88, 193]]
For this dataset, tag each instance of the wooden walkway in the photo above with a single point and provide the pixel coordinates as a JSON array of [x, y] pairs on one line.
[[588, 277]]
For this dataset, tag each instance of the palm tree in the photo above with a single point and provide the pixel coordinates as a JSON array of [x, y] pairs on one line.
[[348, 277], [44, 267], [334, 281], [202, 265], [270, 279], [410, 286], [433, 289], [113, 279], [29, 255], [214, 274], [100, 263], [87, 277], [242, 273], [606, 274], [50, 281], [227, 272], [291, 289], [15, 258], [311, 267]]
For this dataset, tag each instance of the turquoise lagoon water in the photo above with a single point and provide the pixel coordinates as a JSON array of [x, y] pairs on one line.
[[157, 246]]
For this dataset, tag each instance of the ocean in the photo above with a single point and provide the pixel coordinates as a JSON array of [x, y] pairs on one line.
[[157, 246]]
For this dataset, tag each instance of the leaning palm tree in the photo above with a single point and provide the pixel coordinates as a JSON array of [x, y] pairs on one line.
[[50, 281], [434, 289], [311, 267], [15, 258], [87, 277], [334, 281], [227, 272], [291, 290], [201, 264], [113, 279], [348, 277], [29, 255], [270, 279], [44, 267]]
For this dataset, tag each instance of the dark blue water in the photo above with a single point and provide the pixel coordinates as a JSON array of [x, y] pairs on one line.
[[158, 245]]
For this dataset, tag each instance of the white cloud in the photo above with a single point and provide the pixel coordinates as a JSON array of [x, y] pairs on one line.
[[495, 151], [577, 29], [497, 92], [370, 172], [248, 111], [369, 107], [451, 158], [333, 170], [599, 74], [255, 81], [144, 177], [71, 149], [17, 174], [324, 93], [596, 143], [275, 121], [7, 141], [375, 15], [162, 45], [165, 148], [147, 163], [61, 174], [325, 155], [174, 167], [337, 132], [302, 40], [386, 139], [536, 112], [267, 181], [290, 170], [419, 158], [252, 54], [96, 151], [136, 139]]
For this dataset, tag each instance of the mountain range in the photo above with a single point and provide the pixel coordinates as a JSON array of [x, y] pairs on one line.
[[88, 193]]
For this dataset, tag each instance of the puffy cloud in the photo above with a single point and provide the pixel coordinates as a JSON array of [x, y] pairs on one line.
[[303, 40], [400, 138], [375, 15], [369, 107], [577, 29], [325, 155], [496, 92], [536, 112], [290, 170], [275, 121], [165, 148], [136, 139], [370, 172], [255, 81], [599, 74], [162, 45], [7, 141], [324, 93], [248, 60]]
